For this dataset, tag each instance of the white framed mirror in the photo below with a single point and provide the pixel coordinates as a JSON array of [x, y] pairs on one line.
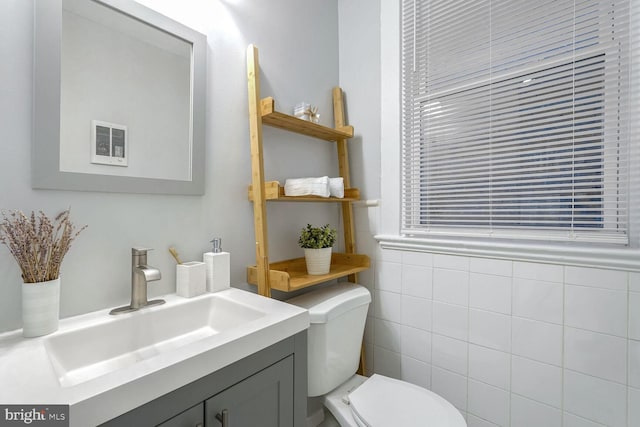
[[119, 94]]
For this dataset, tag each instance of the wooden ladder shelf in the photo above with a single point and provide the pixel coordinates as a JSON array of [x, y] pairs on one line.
[[291, 275]]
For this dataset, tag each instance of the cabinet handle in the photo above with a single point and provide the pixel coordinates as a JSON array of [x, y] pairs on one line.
[[223, 418]]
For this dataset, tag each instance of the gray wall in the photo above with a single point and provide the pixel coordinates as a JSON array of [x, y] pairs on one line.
[[298, 43]]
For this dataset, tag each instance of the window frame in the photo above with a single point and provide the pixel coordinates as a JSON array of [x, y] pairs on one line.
[[387, 231], [413, 209]]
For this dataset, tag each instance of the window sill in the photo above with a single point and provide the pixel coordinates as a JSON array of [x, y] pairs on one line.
[[626, 259]]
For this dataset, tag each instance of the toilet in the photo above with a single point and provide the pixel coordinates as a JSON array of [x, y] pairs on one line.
[[337, 314]]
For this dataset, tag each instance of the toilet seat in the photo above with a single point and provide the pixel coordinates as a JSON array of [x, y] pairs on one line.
[[383, 401]]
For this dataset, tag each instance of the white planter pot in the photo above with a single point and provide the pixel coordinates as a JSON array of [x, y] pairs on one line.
[[318, 260], [40, 308]]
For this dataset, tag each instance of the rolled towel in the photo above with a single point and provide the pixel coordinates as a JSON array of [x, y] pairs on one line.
[[307, 187], [336, 187]]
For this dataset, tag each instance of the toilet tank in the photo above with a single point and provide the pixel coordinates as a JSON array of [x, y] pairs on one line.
[[337, 314]]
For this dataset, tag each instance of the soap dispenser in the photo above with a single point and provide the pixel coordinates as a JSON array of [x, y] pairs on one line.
[[218, 265]]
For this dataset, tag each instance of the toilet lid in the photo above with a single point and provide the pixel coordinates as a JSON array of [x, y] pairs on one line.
[[382, 401]]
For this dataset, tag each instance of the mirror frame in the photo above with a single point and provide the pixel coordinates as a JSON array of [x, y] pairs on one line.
[[45, 147]]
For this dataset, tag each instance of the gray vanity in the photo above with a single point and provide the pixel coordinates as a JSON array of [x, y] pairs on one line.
[[231, 353], [267, 389]]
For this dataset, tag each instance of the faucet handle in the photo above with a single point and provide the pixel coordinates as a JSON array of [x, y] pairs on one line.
[[140, 251]]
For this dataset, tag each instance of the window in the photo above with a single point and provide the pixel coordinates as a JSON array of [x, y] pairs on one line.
[[515, 117]]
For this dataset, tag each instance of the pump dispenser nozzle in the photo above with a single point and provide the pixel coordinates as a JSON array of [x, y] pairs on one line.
[[216, 245]]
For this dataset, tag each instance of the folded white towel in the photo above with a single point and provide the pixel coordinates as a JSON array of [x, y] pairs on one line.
[[336, 187], [307, 187]]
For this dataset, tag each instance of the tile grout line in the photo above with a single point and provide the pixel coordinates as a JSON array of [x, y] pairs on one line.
[[562, 349], [628, 406], [511, 344], [468, 328]]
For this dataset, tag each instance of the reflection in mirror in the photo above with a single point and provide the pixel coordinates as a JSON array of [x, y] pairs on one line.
[[129, 115]]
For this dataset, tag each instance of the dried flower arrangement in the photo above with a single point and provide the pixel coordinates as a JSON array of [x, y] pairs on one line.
[[37, 243]]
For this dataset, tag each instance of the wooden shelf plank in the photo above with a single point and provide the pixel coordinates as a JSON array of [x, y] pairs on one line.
[[274, 192], [291, 275], [279, 120]]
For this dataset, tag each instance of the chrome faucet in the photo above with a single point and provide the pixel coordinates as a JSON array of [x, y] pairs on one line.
[[141, 275]]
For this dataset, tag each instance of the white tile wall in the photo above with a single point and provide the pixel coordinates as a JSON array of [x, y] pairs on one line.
[[415, 372], [490, 366], [416, 343], [449, 353], [451, 320], [417, 281], [386, 362], [488, 402], [452, 262], [598, 278], [489, 329], [451, 386], [596, 309], [634, 282], [388, 334], [537, 340], [490, 292], [423, 259], [416, 312], [634, 407], [571, 420], [388, 306], [511, 343], [595, 399], [634, 364], [537, 381], [634, 315], [538, 300], [499, 267], [603, 356], [473, 421], [537, 271], [451, 286], [388, 276], [529, 413]]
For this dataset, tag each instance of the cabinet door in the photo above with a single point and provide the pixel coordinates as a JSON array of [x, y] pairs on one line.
[[193, 417], [264, 399]]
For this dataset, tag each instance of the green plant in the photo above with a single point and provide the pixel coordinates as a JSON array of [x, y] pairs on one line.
[[317, 237]]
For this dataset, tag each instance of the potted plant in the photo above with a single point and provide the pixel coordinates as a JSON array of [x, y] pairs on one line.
[[317, 243], [39, 246]]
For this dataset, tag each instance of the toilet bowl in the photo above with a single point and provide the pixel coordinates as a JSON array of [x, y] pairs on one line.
[[337, 314]]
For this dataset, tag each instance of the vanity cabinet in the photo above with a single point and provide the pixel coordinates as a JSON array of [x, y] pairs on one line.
[[264, 399], [193, 417], [267, 389]]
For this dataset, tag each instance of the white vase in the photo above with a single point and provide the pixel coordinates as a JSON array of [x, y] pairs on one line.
[[40, 308], [318, 260]]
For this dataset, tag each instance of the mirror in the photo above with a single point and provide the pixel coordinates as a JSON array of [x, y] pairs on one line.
[[119, 99]]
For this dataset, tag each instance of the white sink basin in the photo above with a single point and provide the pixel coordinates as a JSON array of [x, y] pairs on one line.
[[120, 341], [103, 366]]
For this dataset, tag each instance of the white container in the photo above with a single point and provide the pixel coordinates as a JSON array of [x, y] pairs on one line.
[[318, 260], [40, 308], [191, 279], [218, 270], [337, 314]]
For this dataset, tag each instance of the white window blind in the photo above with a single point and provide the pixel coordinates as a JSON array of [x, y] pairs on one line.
[[515, 118]]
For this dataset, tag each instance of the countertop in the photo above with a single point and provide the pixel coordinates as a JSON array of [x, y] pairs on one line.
[[28, 376]]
